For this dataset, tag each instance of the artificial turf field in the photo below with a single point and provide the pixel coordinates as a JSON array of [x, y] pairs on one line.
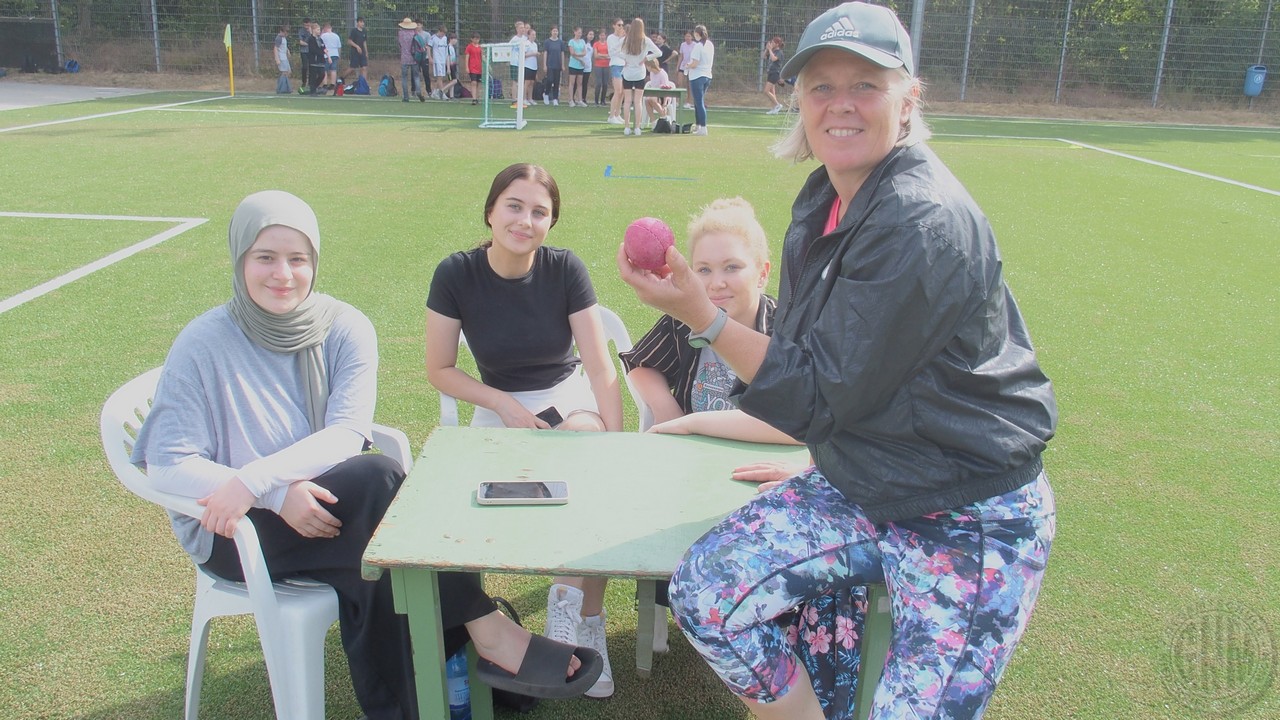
[[1145, 259]]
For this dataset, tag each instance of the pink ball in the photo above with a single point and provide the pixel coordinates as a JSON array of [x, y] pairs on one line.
[[646, 243]]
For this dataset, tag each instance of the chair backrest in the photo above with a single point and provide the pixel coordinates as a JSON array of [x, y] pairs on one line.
[[614, 332], [122, 418]]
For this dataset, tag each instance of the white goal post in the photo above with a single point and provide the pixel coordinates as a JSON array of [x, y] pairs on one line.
[[497, 64]]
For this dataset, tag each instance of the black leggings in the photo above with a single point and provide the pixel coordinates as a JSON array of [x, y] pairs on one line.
[[375, 638], [553, 84]]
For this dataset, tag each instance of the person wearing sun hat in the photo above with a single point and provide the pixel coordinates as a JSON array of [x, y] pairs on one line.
[[408, 66], [899, 356]]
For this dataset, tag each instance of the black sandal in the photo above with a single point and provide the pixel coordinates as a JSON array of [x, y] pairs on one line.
[[541, 672]]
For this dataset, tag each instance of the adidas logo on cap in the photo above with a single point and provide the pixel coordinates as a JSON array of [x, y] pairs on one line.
[[841, 28]]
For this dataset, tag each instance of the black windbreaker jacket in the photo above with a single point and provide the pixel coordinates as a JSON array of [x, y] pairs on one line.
[[898, 354]]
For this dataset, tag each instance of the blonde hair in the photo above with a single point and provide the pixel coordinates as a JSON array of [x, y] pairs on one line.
[[736, 217], [794, 146]]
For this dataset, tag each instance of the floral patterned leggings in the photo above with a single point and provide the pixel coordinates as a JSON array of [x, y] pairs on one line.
[[962, 583]]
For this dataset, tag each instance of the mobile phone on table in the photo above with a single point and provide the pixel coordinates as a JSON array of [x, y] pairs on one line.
[[522, 492], [550, 416]]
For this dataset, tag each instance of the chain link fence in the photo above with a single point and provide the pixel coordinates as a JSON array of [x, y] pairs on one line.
[[1182, 54]]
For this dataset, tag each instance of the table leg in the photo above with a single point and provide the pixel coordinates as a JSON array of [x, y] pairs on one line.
[[876, 635], [645, 612], [481, 694], [417, 596]]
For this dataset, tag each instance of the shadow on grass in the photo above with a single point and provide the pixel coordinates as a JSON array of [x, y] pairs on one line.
[[241, 692]]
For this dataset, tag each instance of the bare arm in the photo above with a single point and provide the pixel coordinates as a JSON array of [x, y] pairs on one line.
[[588, 334], [681, 295], [442, 335], [727, 424], [653, 389]]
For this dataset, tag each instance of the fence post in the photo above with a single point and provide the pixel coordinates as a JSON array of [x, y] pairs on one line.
[[1062, 61], [1164, 46], [155, 33], [253, 14], [57, 34], [968, 43], [1266, 22], [917, 27], [764, 31]]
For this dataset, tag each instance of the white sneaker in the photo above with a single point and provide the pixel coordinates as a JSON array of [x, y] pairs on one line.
[[556, 102], [615, 120], [701, 130], [564, 614], [688, 106], [660, 644], [626, 130], [591, 634], [778, 108], [637, 132]]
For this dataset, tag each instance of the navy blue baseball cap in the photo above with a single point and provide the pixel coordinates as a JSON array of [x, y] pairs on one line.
[[872, 32]]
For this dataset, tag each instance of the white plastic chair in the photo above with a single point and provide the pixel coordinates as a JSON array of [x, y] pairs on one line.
[[292, 616], [614, 332]]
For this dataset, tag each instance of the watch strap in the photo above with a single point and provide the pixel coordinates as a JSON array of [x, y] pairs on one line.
[[708, 336]]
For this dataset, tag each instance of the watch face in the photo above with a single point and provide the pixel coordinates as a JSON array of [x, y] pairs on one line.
[[698, 342]]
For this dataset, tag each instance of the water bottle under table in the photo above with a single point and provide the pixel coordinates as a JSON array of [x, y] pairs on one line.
[[459, 686]]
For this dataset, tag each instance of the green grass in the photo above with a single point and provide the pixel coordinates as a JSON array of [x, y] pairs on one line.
[[1152, 296]]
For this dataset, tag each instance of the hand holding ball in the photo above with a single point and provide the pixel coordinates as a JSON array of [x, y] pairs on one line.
[[646, 243]]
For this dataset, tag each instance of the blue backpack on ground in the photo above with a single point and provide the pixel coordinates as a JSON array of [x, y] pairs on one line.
[[387, 86], [361, 86]]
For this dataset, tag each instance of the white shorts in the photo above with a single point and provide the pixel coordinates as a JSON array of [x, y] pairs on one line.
[[571, 395], [439, 69]]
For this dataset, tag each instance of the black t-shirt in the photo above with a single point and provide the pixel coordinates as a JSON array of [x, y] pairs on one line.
[[517, 330], [665, 56], [358, 37]]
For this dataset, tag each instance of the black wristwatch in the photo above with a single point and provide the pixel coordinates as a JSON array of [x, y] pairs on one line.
[[708, 336]]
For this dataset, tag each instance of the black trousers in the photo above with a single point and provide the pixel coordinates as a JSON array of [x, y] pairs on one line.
[[317, 77], [304, 67], [375, 638], [553, 84]]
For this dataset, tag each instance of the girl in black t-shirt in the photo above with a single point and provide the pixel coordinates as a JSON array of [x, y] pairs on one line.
[[523, 307]]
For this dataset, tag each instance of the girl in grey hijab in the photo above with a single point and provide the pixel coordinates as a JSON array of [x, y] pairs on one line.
[[262, 412]]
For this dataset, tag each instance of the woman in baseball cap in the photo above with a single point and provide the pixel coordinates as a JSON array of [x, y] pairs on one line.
[[900, 358]]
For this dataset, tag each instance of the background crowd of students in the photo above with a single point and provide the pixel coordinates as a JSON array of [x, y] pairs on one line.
[[587, 66]]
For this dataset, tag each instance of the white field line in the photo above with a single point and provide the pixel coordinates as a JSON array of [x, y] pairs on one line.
[[184, 224], [109, 114], [583, 121], [1106, 124], [387, 116], [1175, 168]]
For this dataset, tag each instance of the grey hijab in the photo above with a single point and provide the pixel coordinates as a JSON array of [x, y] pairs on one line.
[[302, 330]]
